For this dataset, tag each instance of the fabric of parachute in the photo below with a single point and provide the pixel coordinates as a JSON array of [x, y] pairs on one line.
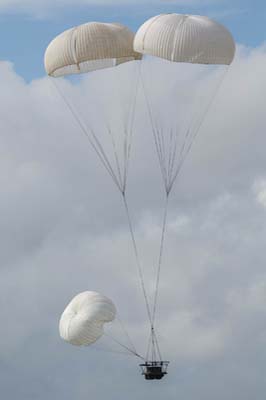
[[81, 323], [185, 38], [89, 47]]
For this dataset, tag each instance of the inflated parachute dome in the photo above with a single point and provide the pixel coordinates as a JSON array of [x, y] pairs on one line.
[[185, 38], [88, 47], [82, 322]]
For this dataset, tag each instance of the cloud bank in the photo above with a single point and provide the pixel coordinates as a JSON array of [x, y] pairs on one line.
[[63, 231]]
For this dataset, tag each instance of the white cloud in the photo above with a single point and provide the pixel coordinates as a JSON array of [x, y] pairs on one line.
[[63, 230], [259, 189]]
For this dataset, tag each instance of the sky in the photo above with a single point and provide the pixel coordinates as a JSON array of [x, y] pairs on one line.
[[27, 27], [63, 228]]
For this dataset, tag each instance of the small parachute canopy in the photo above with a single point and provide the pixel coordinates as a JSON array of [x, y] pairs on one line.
[[82, 322], [89, 47], [185, 38]]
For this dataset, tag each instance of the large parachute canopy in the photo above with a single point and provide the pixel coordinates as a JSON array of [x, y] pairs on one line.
[[82, 322], [89, 47], [185, 38]]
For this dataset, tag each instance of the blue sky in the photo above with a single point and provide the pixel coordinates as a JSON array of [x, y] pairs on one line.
[[26, 34]]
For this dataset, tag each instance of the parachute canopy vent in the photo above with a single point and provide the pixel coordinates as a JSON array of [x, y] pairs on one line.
[[82, 322]]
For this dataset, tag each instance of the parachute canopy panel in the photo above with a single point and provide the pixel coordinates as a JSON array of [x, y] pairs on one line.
[[82, 322], [89, 47], [185, 38]]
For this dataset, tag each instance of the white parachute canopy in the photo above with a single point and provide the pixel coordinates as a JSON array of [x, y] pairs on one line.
[[89, 47], [82, 322], [185, 38]]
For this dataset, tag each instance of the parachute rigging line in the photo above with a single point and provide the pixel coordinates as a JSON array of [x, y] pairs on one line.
[[118, 177], [90, 135], [124, 346], [95, 145], [157, 139], [128, 130], [102, 349], [140, 272], [170, 159], [196, 130], [153, 351], [160, 260], [127, 334], [170, 170]]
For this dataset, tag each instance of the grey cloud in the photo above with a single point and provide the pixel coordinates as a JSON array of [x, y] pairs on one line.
[[63, 230]]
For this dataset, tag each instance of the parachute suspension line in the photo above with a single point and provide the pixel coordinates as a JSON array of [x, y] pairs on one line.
[[171, 156], [158, 273], [102, 349], [153, 342], [90, 135], [157, 352], [126, 334], [194, 131], [148, 347], [122, 184], [170, 174], [170, 170], [166, 156], [120, 179], [172, 153], [153, 351], [124, 346], [140, 272], [129, 129], [128, 134], [159, 142], [155, 132], [153, 345], [172, 163]]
